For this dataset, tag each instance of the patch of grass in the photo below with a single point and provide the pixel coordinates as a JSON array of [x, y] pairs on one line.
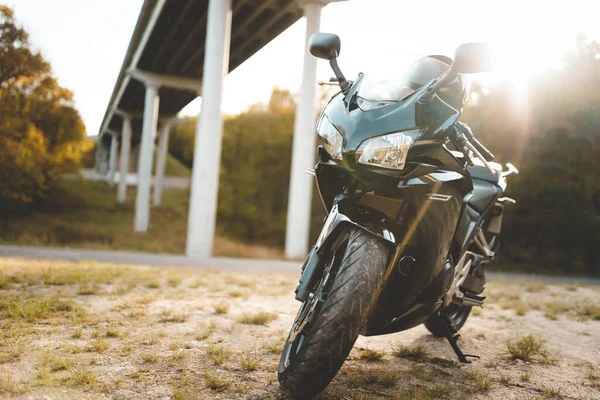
[[88, 289], [149, 358], [56, 363], [379, 376], [550, 393], [477, 311], [98, 345], [206, 332], [417, 352], [44, 377], [176, 356], [552, 315], [153, 285], [112, 333], [249, 361], [12, 352], [371, 355], [589, 312], [82, 377], [525, 376], [521, 308], [481, 380], [216, 383], [434, 392], [275, 347], [168, 316], [259, 318], [77, 334], [235, 294], [218, 354], [221, 307], [127, 349], [35, 309], [174, 281], [526, 348]]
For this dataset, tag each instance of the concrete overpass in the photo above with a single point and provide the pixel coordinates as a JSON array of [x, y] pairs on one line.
[[181, 49]]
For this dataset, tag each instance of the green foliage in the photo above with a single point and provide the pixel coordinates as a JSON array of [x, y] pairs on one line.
[[255, 170], [554, 139], [40, 131]]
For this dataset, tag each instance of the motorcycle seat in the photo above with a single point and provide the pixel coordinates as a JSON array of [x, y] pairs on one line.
[[479, 171], [484, 193]]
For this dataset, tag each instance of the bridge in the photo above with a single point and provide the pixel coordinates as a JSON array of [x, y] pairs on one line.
[[184, 48]]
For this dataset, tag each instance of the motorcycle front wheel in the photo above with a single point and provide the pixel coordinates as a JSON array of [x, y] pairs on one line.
[[330, 320]]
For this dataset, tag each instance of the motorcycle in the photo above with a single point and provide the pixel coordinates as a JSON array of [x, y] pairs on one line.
[[415, 209]]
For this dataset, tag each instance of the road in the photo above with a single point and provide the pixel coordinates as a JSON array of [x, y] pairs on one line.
[[218, 263]]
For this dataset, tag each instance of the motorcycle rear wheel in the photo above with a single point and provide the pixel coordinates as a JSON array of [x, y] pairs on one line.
[[316, 349]]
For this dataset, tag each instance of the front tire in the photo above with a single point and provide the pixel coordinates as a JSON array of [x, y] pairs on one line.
[[313, 355]]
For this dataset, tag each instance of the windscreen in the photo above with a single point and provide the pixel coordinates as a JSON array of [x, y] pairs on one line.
[[384, 88]]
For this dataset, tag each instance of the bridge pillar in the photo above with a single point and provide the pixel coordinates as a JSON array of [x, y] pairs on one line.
[[124, 159], [303, 150], [144, 170], [161, 161], [209, 132], [112, 159]]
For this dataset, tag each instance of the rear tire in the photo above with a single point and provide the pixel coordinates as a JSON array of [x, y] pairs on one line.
[[313, 358]]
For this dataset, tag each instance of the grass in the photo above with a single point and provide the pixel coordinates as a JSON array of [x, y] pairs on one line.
[[417, 352], [249, 361], [12, 352], [90, 217], [259, 318], [149, 358], [371, 355], [527, 348], [82, 377], [525, 376], [481, 381], [53, 362], [589, 312], [215, 382], [374, 376], [221, 307], [217, 353], [168, 316], [98, 345], [35, 309]]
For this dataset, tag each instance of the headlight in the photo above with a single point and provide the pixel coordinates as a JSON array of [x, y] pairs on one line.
[[331, 139], [388, 151]]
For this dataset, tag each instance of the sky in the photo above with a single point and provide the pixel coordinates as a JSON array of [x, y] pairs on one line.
[[86, 41]]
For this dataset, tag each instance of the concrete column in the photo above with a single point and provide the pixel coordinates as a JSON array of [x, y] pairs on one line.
[[304, 147], [112, 159], [144, 170], [124, 160], [161, 162], [209, 131]]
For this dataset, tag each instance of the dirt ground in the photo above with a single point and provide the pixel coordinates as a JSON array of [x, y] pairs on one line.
[[97, 331]]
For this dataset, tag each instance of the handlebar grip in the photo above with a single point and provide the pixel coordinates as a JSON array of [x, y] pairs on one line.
[[469, 135]]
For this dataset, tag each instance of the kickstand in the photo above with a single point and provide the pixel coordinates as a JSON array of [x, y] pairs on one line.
[[452, 336]]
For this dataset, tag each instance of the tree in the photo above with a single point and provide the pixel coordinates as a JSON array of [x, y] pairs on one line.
[[41, 133]]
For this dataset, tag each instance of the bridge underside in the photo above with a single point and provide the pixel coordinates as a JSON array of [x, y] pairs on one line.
[[181, 49]]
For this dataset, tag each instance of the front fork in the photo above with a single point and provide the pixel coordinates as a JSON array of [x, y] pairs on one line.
[[341, 216]]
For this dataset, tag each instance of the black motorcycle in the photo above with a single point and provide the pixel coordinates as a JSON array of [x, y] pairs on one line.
[[415, 209]]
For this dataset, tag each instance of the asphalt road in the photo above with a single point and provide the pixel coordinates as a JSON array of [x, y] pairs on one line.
[[217, 263]]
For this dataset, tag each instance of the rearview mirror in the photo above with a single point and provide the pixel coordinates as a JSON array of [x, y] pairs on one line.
[[471, 58], [325, 45]]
